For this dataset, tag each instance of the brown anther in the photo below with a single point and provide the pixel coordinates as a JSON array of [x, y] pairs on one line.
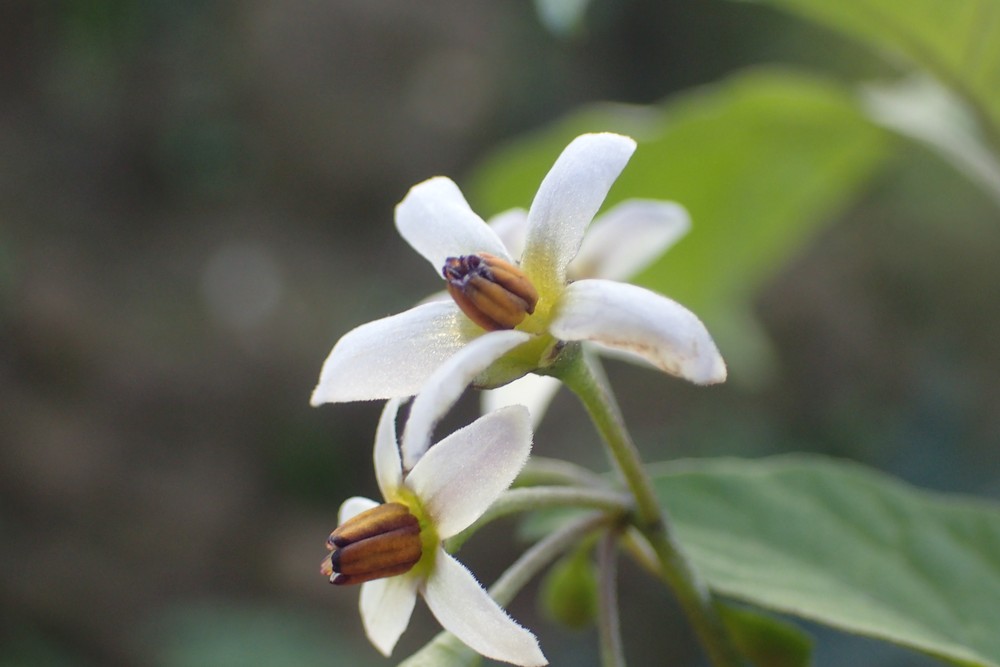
[[381, 542], [492, 292]]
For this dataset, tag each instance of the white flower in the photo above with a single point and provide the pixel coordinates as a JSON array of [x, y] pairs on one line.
[[392, 357], [449, 487], [619, 244]]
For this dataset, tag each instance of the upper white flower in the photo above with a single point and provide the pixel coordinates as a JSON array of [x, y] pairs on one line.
[[392, 357], [450, 486]]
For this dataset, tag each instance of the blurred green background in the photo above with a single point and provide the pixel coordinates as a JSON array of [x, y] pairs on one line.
[[196, 201]]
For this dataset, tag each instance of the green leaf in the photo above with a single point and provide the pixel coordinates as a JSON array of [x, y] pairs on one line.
[[760, 160], [956, 40], [845, 546], [765, 640]]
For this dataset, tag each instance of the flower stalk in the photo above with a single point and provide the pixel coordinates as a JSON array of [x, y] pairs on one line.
[[609, 623], [613, 503], [574, 369]]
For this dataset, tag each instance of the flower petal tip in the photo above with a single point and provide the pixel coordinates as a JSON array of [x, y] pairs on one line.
[[329, 392], [533, 658], [319, 397], [610, 138], [715, 373]]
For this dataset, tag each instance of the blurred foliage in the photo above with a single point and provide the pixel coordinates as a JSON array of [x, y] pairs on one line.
[[957, 112], [957, 41], [159, 447], [241, 636], [562, 17]]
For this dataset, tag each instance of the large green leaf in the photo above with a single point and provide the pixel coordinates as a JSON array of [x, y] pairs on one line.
[[842, 545], [760, 160], [957, 40]]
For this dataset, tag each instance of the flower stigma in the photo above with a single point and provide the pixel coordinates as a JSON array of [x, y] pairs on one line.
[[492, 292], [384, 541]]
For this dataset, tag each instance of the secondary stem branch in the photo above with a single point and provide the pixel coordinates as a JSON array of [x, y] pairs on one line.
[[527, 499], [609, 625], [692, 593]]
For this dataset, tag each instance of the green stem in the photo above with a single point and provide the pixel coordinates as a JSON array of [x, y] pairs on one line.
[[543, 552], [545, 471], [642, 553], [609, 624], [693, 595], [538, 497]]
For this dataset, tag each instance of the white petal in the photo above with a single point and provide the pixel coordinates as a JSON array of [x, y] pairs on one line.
[[634, 319], [535, 392], [460, 477], [386, 606], [628, 238], [388, 468], [466, 610], [512, 227], [393, 356], [447, 383], [354, 506], [436, 220], [567, 200]]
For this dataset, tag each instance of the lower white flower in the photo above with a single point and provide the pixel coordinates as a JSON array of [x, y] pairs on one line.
[[394, 549]]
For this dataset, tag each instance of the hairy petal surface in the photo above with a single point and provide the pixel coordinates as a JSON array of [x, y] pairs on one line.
[[392, 357], [388, 468], [460, 477], [567, 200], [633, 319], [447, 383], [436, 220], [466, 610], [628, 238], [386, 606], [535, 392]]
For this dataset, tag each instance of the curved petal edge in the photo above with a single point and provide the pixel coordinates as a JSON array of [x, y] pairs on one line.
[[386, 606], [637, 320], [464, 608], [391, 357]]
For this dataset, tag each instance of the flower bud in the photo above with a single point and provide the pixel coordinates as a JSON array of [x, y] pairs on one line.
[[494, 293], [381, 542], [568, 592]]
